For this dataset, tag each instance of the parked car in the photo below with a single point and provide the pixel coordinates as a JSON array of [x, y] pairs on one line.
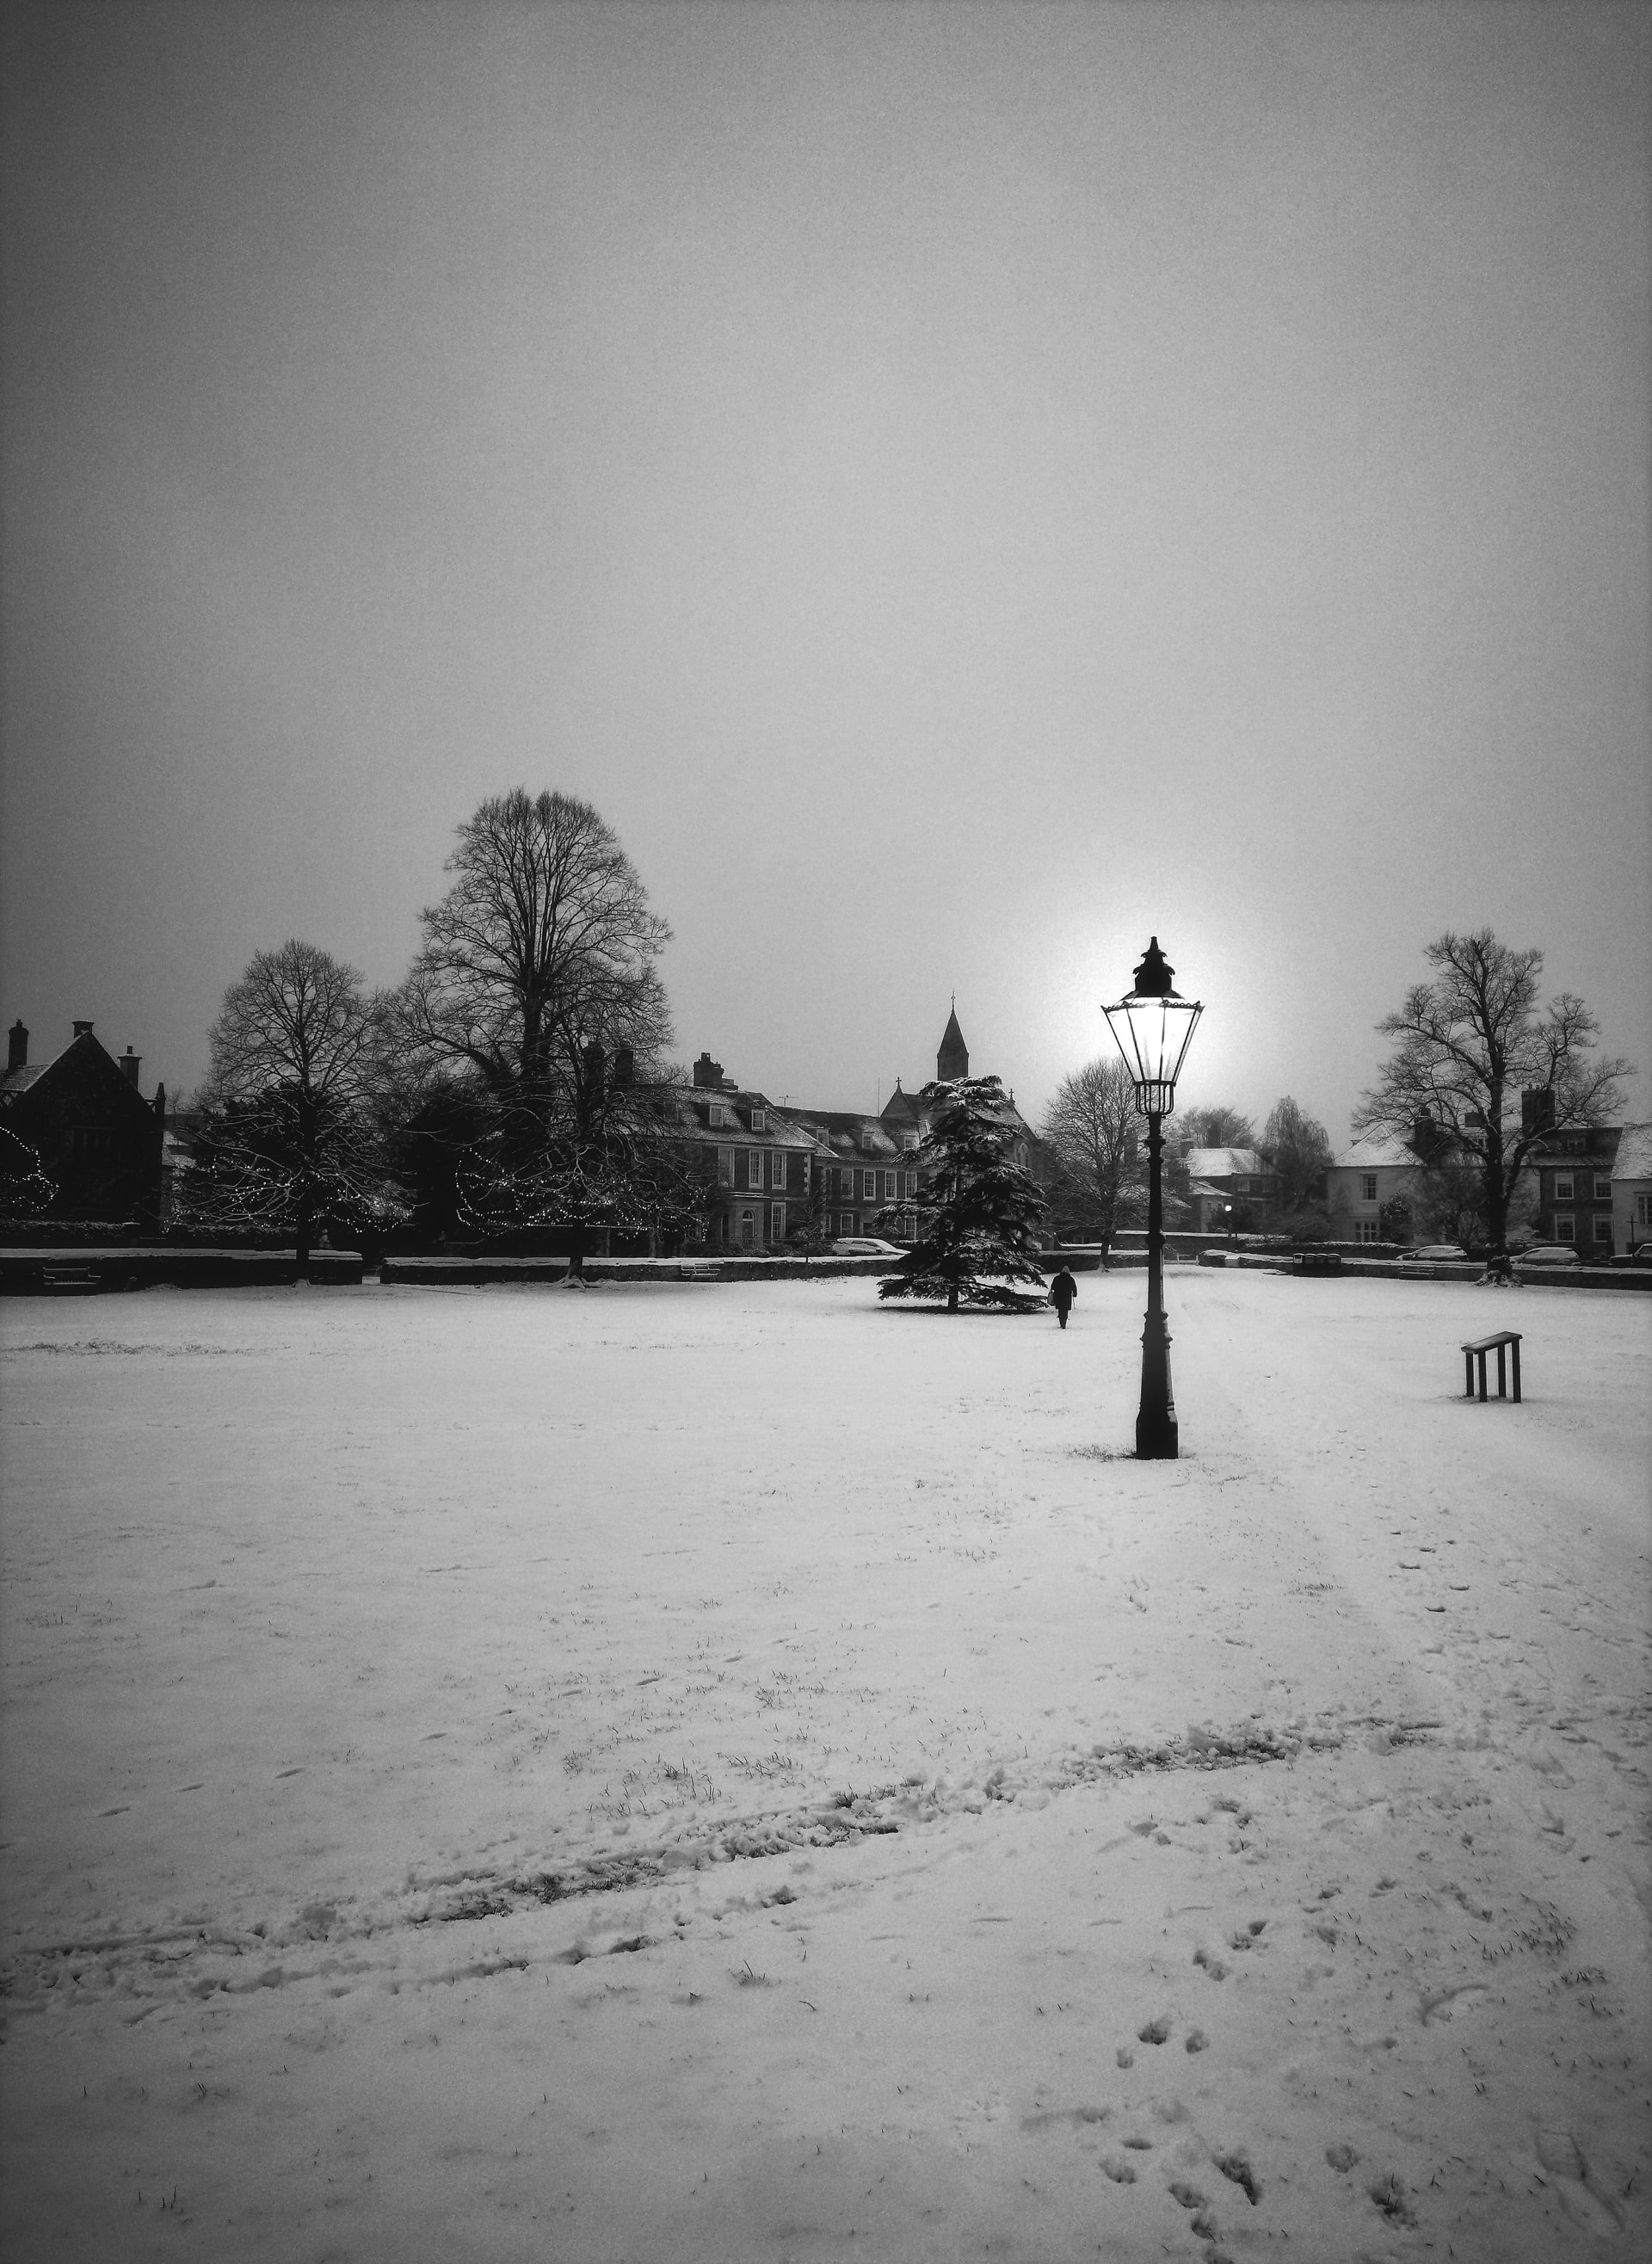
[[1436, 1253], [864, 1245], [1549, 1253]]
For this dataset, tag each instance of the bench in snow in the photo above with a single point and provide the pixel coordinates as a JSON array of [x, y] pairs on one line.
[[1476, 1354], [67, 1277]]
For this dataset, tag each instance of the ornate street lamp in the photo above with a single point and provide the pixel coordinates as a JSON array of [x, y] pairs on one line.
[[1153, 1028]]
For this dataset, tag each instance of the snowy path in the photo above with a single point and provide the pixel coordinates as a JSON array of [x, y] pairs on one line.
[[350, 1637]]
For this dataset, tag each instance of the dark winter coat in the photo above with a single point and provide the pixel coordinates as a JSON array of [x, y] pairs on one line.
[[1063, 1290]]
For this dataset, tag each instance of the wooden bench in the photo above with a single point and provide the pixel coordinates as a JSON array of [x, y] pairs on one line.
[[67, 1277], [1476, 1353]]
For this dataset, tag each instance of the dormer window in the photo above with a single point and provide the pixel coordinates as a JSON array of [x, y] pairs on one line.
[[868, 1138], [718, 1114], [759, 1120]]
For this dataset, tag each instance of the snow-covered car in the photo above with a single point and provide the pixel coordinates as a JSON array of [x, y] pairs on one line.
[[864, 1245], [1548, 1253], [1436, 1253]]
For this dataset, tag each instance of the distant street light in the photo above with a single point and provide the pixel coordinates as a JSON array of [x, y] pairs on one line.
[[1153, 1028]]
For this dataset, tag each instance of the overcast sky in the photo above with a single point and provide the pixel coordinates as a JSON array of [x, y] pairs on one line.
[[959, 489]]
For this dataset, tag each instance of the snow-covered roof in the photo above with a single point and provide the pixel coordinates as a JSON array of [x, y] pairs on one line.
[[1634, 1159], [1374, 1156], [1222, 1163]]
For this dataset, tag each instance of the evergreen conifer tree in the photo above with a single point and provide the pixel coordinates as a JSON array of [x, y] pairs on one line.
[[977, 1205]]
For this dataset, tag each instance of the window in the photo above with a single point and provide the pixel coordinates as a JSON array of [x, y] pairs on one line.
[[1563, 1187], [868, 1137], [91, 1143], [776, 1222], [869, 1186], [889, 1187], [778, 1161], [1565, 1227], [909, 1139], [1643, 1210], [748, 1228], [1603, 1189], [1368, 1187], [1365, 1230], [911, 1185], [846, 1221], [1603, 1229], [716, 1114], [759, 1120]]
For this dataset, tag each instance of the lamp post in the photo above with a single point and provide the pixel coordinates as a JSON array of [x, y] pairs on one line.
[[1153, 1028]]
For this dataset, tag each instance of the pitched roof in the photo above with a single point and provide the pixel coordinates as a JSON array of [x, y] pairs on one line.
[[1223, 1163], [1376, 1155], [846, 1129], [779, 1129], [1634, 1159]]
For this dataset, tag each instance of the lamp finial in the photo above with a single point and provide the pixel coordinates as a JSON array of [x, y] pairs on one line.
[[1154, 978]]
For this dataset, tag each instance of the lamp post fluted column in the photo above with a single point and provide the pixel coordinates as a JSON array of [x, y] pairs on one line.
[[1153, 1026], [1157, 1439]]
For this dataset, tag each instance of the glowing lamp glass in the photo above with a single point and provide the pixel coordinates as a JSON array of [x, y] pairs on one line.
[[1153, 1028]]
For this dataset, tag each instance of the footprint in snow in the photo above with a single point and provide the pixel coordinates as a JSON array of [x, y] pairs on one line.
[[1235, 2166], [1153, 2032]]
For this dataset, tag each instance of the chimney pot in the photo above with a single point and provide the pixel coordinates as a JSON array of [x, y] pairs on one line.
[[16, 1048], [83, 1030]]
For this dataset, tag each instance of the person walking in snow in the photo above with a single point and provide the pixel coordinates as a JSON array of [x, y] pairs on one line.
[[1063, 1289]]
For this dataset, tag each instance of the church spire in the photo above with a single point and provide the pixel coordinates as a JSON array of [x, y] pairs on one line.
[[953, 1060]]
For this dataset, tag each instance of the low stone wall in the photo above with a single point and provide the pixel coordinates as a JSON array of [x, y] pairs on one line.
[[38, 1273], [1538, 1277], [479, 1272]]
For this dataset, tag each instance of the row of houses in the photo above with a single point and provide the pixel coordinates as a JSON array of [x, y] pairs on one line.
[[1592, 1187], [108, 1152]]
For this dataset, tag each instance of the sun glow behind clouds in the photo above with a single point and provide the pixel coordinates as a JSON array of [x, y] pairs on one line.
[[961, 491]]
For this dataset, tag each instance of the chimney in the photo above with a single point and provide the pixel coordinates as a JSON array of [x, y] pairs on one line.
[[160, 1104], [131, 1064], [83, 1030], [708, 1074], [17, 1048], [1537, 1110], [623, 1066]]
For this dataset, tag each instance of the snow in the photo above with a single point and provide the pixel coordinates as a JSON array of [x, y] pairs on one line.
[[681, 1772]]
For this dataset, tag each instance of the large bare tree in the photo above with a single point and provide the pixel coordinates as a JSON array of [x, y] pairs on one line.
[[538, 966], [1467, 1045], [287, 1137], [1093, 1125]]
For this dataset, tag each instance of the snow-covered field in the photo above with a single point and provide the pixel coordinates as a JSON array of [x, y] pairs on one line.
[[674, 1773]]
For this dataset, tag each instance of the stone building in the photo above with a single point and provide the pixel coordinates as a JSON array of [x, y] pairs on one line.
[[98, 1140]]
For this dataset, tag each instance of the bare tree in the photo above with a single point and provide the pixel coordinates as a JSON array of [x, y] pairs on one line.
[[537, 967], [287, 1137], [1217, 1127], [1092, 1125], [1467, 1045]]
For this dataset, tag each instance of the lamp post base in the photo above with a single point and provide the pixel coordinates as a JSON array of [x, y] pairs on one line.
[[1157, 1440]]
